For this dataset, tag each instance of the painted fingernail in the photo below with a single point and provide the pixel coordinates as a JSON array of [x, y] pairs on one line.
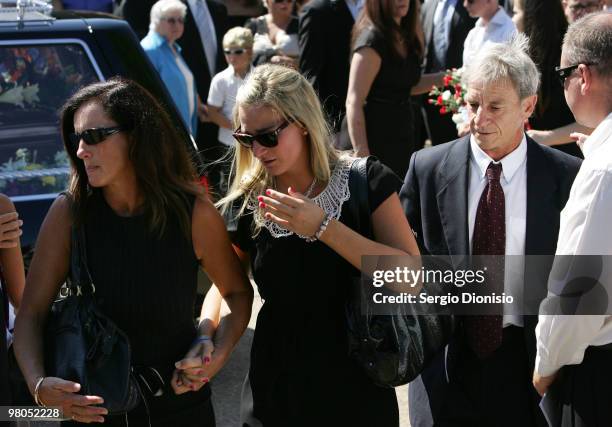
[[205, 380], [262, 205], [268, 192], [207, 360], [260, 198], [199, 372]]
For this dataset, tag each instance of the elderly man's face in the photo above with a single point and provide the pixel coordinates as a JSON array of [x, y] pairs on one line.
[[576, 9], [497, 116]]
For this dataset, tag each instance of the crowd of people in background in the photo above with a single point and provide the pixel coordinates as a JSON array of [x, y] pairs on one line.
[[282, 99]]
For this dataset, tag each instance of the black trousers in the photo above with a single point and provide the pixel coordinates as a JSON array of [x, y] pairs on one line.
[[586, 390], [494, 392]]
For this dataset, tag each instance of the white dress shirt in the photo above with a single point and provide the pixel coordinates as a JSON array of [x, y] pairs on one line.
[[585, 230], [500, 29], [514, 183], [223, 90], [206, 28], [355, 7]]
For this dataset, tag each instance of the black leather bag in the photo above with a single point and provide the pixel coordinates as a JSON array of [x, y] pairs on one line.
[[84, 345], [392, 349]]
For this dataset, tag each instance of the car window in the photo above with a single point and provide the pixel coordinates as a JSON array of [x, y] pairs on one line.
[[35, 81]]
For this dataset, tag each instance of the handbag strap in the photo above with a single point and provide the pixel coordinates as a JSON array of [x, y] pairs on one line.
[[359, 203], [78, 264]]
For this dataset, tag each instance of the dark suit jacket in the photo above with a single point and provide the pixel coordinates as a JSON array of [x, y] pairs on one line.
[[325, 50], [435, 199], [193, 53], [461, 25]]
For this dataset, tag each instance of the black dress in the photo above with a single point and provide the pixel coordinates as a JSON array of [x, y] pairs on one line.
[[300, 372], [389, 116], [147, 286], [555, 114]]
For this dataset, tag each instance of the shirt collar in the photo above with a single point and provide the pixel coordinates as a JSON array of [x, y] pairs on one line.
[[601, 134], [510, 164], [498, 18]]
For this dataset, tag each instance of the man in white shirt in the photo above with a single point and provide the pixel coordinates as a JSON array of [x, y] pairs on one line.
[[584, 342], [493, 26]]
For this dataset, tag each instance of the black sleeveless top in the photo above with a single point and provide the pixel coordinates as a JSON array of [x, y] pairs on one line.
[[144, 283]]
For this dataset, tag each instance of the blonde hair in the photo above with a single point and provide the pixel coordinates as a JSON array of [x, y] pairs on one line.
[[238, 36], [289, 94]]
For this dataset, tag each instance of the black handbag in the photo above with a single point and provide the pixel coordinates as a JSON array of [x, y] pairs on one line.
[[85, 346], [392, 349]]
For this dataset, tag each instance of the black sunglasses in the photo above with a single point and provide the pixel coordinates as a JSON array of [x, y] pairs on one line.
[[233, 51], [267, 139], [283, 1], [565, 72], [94, 136]]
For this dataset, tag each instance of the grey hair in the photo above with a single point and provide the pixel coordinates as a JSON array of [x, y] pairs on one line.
[[589, 41], [506, 61], [161, 8]]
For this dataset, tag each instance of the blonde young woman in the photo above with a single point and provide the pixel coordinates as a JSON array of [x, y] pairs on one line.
[[290, 187]]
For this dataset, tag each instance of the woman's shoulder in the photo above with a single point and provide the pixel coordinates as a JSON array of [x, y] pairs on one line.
[[369, 36]]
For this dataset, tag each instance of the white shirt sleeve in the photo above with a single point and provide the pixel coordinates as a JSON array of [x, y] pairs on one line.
[[585, 230], [216, 93]]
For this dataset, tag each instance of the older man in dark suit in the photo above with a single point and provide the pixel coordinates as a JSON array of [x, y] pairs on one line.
[[325, 49], [454, 195]]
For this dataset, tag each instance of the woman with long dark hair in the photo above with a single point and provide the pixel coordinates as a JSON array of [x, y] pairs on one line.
[[385, 72], [544, 22], [148, 227]]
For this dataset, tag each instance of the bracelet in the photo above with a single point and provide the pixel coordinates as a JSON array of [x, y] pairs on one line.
[[36, 390], [321, 229], [201, 339]]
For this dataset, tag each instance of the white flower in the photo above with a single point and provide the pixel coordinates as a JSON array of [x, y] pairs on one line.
[[446, 95]]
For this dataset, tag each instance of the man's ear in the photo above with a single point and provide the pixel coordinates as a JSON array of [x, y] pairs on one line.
[[529, 105], [586, 78]]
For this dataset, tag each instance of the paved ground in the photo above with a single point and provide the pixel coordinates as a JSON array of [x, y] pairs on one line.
[[228, 383]]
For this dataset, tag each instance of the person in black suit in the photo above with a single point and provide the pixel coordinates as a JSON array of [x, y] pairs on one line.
[[451, 194], [197, 58], [325, 49], [448, 55]]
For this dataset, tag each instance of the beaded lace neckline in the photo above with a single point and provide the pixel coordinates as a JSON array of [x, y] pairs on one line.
[[330, 199]]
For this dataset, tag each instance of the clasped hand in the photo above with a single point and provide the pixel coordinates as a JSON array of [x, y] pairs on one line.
[[195, 369], [294, 211]]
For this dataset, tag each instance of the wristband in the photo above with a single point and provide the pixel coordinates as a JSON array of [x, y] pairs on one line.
[[36, 390], [321, 229], [201, 339]]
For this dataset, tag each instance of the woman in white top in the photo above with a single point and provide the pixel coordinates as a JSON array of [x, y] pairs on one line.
[[276, 34]]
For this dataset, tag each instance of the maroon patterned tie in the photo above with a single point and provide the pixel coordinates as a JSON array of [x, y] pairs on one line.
[[484, 333]]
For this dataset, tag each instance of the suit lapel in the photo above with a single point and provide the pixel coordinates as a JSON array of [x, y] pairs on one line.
[[428, 18], [452, 197], [541, 206]]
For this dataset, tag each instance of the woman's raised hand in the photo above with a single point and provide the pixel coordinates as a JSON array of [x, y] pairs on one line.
[[294, 211], [58, 392]]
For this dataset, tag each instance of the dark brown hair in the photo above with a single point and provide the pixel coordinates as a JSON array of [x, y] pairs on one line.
[[164, 171], [379, 14], [545, 24]]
